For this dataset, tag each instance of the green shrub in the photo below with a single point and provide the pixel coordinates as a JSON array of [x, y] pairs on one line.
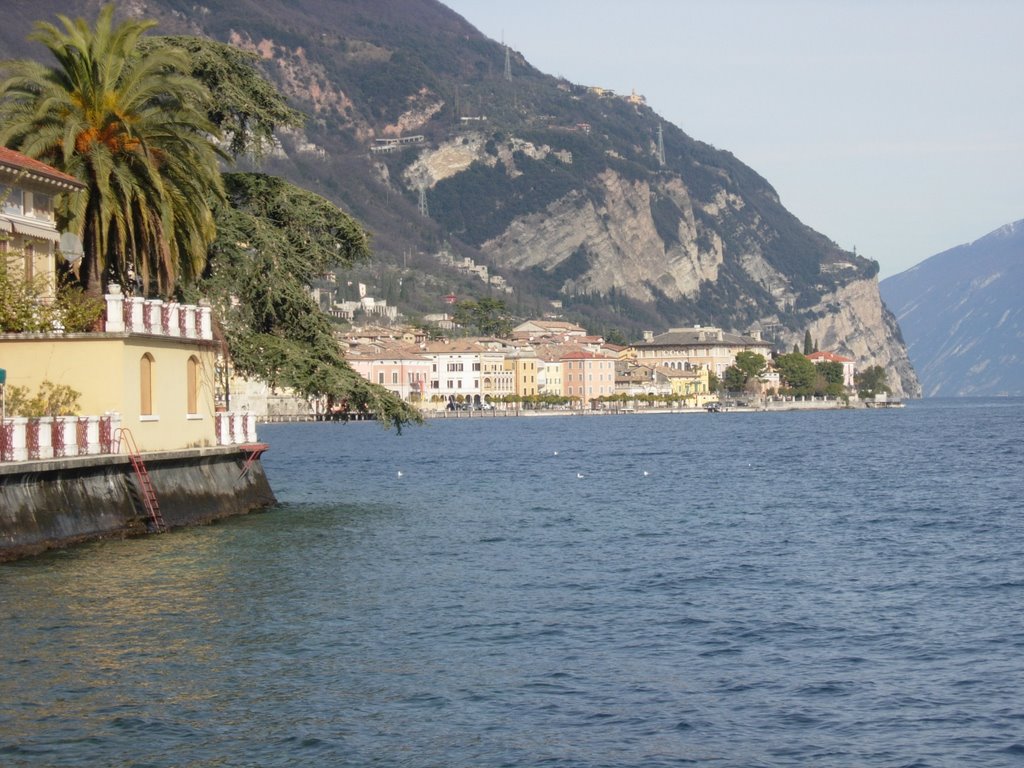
[[51, 400]]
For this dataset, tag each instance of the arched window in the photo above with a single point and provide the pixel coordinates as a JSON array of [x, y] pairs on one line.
[[146, 385], [192, 384]]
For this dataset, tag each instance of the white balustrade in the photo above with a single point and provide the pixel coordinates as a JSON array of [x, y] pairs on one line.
[[133, 314]]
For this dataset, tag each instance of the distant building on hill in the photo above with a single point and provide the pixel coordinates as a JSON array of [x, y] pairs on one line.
[[547, 329], [699, 346]]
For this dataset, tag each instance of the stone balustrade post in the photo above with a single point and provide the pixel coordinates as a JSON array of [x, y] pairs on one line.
[[19, 438], [223, 428], [173, 327], [205, 321], [136, 314], [69, 428], [44, 435], [92, 435], [250, 428], [190, 321], [114, 321], [154, 316]]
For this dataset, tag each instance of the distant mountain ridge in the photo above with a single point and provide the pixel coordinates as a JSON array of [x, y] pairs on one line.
[[962, 316], [578, 198]]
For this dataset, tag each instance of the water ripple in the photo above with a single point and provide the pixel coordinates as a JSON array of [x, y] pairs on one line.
[[826, 589]]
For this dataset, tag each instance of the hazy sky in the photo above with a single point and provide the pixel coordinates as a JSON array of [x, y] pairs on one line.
[[895, 127]]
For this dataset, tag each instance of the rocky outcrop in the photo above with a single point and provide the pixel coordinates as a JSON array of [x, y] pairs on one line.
[[447, 160], [615, 242], [854, 322], [299, 77], [422, 106]]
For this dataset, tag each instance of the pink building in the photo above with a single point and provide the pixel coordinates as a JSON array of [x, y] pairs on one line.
[[399, 369], [586, 375]]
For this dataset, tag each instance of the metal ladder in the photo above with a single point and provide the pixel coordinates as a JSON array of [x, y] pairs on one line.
[[147, 494]]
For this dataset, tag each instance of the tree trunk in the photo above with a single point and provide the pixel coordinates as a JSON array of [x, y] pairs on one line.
[[91, 277]]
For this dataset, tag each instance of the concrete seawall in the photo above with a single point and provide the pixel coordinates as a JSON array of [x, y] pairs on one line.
[[59, 502]]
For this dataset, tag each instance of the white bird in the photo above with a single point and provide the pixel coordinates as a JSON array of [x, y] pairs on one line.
[[579, 475], [556, 453], [399, 473], [646, 473]]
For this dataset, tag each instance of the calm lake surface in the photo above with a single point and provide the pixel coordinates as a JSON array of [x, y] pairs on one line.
[[841, 588]]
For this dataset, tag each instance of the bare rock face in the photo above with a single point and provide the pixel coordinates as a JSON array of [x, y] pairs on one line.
[[616, 242], [857, 324], [448, 159], [610, 240]]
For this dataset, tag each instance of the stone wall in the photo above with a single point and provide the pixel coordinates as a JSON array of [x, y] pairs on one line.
[[56, 503]]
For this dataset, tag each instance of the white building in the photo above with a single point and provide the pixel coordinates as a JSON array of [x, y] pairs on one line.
[[455, 371]]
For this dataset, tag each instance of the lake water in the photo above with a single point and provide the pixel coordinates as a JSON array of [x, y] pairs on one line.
[[841, 588]]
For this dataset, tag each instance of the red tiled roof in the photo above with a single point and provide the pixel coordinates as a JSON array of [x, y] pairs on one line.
[[18, 162], [829, 357]]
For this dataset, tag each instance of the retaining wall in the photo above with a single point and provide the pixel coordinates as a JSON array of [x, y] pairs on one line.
[[55, 503]]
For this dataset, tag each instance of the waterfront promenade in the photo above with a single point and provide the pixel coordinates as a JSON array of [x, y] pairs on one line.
[[605, 409]]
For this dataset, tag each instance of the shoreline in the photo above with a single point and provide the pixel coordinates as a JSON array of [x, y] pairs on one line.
[[508, 413], [56, 503], [769, 407]]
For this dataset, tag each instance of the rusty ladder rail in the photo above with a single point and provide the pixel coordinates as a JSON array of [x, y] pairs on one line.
[[253, 451], [147, 493]]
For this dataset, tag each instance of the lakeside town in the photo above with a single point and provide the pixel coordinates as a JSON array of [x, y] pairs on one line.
[[145, 330], [55, 368], [554, 365], [184, 312]]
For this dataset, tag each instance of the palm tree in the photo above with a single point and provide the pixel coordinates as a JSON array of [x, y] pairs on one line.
[[134, 129]]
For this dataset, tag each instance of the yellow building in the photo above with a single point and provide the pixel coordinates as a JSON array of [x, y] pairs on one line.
[[28, 232], [692, 385], [162, 385], [152, 364], [526, 374]]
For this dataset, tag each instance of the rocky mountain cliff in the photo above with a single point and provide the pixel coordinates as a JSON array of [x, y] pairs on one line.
[[962, 316], [583, 201]]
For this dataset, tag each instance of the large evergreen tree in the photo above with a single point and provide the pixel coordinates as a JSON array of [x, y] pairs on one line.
[[273, 240], [797, 373], [246, 108]]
